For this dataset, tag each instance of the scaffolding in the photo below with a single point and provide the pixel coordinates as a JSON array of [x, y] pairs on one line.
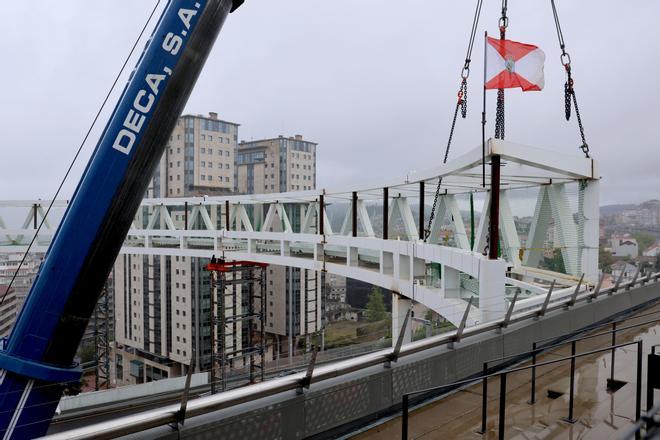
[[102, 316], [237, 320], [311, 307]]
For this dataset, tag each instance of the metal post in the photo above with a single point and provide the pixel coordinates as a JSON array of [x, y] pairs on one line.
[[494, 224], [638, 388], [544, 307], [250, 322], [502, 405], [616, 285], [484, 399], [422, 234], [214, 349], [571, 396], [354, 213], [34, 215], [597, 290], [399, 341], [181, 415], [509, 312], [185, 215], [483, 121], [386, 213], [634, 280], [471, 221], [461, 326], [263, 322], [222, 324], [571, 303], [650, 379], [404, 417], [227, 215], [532, 397], [613, 351], [307, 380], [321, 214]]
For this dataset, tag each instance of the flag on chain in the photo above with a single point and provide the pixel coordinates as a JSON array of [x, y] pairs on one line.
[[510, 64]]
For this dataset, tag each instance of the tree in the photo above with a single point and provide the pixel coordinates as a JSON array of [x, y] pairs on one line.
[[605, 260], [376, 306], [556, 263], [644, 240]]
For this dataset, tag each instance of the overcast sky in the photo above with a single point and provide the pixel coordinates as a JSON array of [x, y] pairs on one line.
[[372, 81]]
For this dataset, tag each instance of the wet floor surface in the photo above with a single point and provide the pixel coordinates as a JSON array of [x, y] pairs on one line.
[[598, 413]]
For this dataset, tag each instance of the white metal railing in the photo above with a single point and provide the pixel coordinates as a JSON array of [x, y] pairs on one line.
[[204, 405]]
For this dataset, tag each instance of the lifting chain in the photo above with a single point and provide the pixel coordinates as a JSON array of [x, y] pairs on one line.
[[499, 113], [461, 104], [462, 97], [569, 90]]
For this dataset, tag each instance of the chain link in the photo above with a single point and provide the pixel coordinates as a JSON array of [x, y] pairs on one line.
[[499, 115], [462, 96], [569, 91], [569, 96], [459, 105]]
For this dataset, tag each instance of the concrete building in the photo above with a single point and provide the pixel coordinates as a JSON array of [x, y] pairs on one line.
[[8, 310], [162, 303], [199, 159], [294, 303], [653, 250], [275, 165], [24, 278], [624, 246]]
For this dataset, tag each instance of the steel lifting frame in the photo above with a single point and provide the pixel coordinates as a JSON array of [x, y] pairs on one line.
[[237, 317]]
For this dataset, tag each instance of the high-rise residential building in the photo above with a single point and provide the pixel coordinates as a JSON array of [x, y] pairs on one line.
[[199, 158], [162, 302], [275, 165], [9, 264], [294, 302], [8, 310]]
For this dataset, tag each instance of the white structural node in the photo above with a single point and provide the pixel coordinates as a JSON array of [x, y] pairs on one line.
[[373, 233]]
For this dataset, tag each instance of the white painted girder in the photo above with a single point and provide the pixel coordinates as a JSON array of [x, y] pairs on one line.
[[401, 260]]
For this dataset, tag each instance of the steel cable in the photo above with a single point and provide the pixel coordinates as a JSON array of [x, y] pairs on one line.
[[75, 157]]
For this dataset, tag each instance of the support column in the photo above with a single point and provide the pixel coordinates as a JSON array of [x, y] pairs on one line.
[[494, 226], [386, 213], [491, 289], [354, 213], [227, 215], [400, 306], [320, 216], [450, 281], [421, 211], [590, 231]]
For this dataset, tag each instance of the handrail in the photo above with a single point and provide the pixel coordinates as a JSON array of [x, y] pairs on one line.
[[577, 339], [521, 368], [204, 405], [405, 398]]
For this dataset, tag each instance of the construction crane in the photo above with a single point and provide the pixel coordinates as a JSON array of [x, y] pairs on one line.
[[37, 363]]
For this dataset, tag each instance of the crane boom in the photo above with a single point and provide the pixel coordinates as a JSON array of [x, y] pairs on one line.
[[38, 360]]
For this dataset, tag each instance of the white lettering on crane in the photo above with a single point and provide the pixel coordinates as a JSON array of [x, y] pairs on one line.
[[145, 98]]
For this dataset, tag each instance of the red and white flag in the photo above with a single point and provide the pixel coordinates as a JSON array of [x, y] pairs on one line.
[[510, 64]]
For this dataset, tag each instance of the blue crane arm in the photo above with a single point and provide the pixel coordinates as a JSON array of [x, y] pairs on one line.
[[38, 360]]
